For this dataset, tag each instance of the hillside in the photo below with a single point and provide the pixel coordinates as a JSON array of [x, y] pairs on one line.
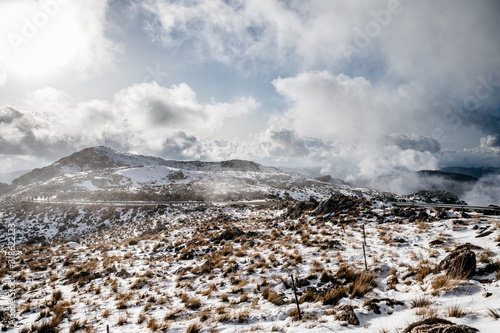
[[140, 244], [219, 268], [100, 173]]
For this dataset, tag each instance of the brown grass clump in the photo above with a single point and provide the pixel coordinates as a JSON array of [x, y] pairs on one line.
[[141, 318], [139, 283], [272, 297], [192, 303], [153, 325], [122, 304], [392, 281], [76, 326], [243, 315], [442, 282], [106, 313], [493, 313], [326, 277], [427, 312], [309, 296], [457, 311], [173, 315], [193, 328], [423, 270], [347, 273], [420, 302], [122, 320], [333, 296], [363, 284]]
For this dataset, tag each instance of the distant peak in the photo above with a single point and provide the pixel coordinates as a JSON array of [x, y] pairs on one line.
[[103, 149]]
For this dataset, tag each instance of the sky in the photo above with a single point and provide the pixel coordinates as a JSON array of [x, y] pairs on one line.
[[354, 89]]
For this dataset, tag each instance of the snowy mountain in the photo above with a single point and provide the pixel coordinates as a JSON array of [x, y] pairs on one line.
[[101, 173]]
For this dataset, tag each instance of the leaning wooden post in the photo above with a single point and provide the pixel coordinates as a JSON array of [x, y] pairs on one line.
[[107, 328], [296, 299], [364, 246], [364, 235], [364, 255]]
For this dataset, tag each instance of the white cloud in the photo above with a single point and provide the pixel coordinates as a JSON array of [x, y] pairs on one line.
[[296, 32], [143, 118], [337, 106], [415, 142], [399, 36], [55, 37], [490, 145]]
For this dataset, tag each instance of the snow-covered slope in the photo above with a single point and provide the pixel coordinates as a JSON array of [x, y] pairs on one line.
[[101, 172], [227, 268], [77, 263]]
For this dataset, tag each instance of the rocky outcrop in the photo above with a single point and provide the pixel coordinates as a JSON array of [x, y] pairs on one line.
[[123, 274], [460, 264], [297, 210], [338, 203], [437, 196], [346, 313], [436, 325]]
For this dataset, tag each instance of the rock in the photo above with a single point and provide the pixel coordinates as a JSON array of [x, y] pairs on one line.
[[183, 270], [435, 196], [299, 283], [484, 234], [123, 274], [207, 267], [442, 215], [298, 209], [460, 264], [423, 216], [436, 242], [186, 256], [346, 313], [436, 325], [469, 246], [230, 234], [398, 239], [73, 245], [339, 203], [487, 294], [110, 270]]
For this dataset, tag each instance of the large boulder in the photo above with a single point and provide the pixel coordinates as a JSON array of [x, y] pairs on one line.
[[460, 264], [346, 313], [436, 325], [339, 203], [298, 209]]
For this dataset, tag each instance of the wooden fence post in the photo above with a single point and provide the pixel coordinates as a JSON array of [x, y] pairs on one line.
[[296, 299]]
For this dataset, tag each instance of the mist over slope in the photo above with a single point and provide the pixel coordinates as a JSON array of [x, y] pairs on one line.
[[480, 190]]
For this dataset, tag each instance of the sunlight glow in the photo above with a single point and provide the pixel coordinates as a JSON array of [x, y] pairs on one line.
[[43, 42]]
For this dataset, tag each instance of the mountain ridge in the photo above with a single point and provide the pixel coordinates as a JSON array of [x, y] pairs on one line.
[[97, 173], [102, 157]]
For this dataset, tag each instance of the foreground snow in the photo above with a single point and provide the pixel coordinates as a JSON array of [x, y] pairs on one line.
[[169, 269]]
